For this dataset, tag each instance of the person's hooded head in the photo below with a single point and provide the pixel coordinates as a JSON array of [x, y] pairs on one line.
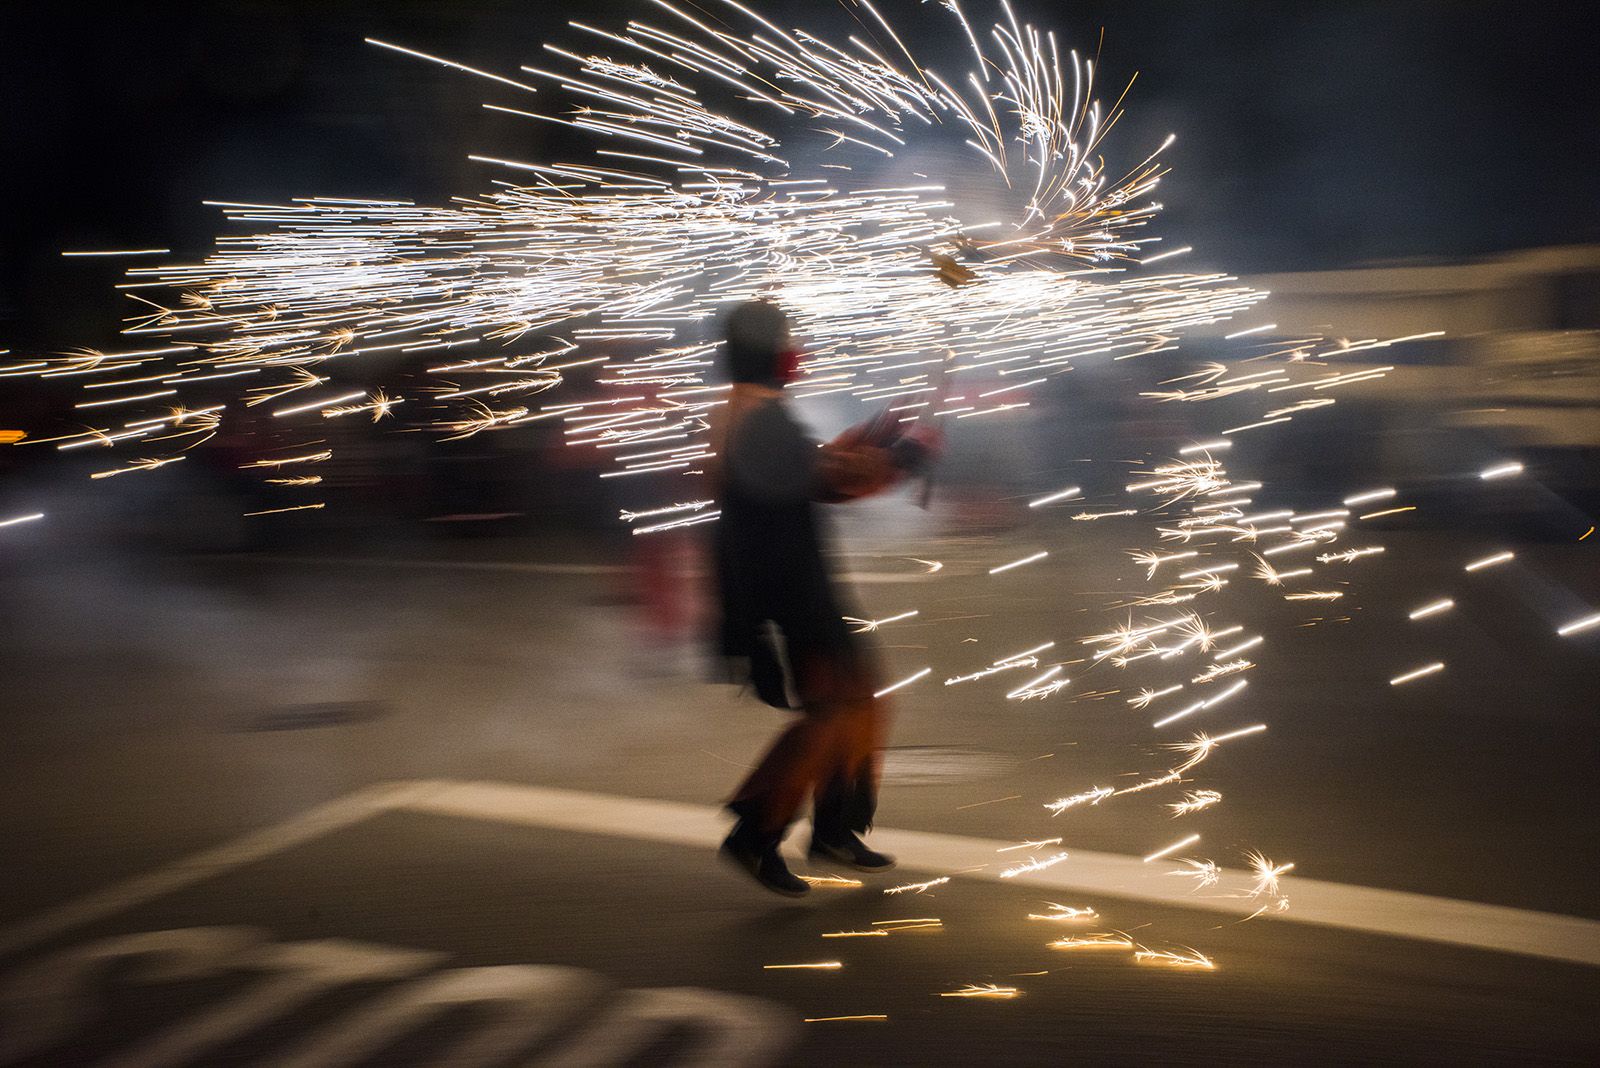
[[758, 348]]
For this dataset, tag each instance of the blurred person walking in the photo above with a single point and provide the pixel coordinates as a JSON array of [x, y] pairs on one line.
[[782, 628]]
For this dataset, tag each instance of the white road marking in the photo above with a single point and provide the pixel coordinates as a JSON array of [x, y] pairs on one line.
[[1352, 908], [1326, 904], [257, 845]]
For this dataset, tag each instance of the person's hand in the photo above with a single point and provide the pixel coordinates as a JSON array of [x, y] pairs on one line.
[[929, 437], [918, 448]]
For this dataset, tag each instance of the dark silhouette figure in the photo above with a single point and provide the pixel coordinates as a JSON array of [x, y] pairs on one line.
[[782, 629]]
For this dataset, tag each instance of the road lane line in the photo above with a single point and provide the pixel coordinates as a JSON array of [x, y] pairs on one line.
[[335, 815], [1352, 908]]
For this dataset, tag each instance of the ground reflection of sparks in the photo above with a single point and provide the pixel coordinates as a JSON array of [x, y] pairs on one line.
[[987, 990], [1174, 958]]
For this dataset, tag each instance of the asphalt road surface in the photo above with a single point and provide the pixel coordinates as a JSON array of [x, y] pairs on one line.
[[453, 804]]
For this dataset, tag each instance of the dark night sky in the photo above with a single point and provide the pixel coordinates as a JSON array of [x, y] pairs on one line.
[[1310, 134]]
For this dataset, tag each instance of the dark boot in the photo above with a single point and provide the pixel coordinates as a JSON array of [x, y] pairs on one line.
[[758, 857], [848, 849], [843, 812]]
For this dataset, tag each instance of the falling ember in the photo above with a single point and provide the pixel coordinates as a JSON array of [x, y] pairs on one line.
[[1195, 802], [1505, 470], [1033, 865], [291, 508], [1019, 563], [1177, 958], [992, 801], [988, 990], [1051, 498], [1418, 673], [1040, 686], [826, 965], [856, 934], [1204, 873], [21, 519], [1088, 797], [830, 881], [1201, 745], [1066, 914], [907, 681], [1368, 497], [867, 626], [1167, 851], [1029, 845], [1143, 698], [1100, 940], [1490, 561], [1578, 625], [917, 888], [834, 1019], [1432, 608]]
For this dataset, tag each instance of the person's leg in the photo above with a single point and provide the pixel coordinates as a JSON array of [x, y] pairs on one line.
[[847, 791], [772, 795]]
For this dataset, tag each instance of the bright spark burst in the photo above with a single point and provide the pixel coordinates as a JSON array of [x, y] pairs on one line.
[[1205, 873], [1194, 802], [1266, 874]]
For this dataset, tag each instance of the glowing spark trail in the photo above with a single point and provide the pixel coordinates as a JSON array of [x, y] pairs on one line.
[[1194, 802], [1101, 940], [1432, 608], [1167, 851], [1062, 495], [988, 990], [1019, 563], [1574, 627], [1033, 865], [1204, 873], [1421, 672], [1490, 561], [907, 681], [917, 888], [1369, 496], [1088, 797], [1066, 914], [1029, 845], [1176, 958]]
